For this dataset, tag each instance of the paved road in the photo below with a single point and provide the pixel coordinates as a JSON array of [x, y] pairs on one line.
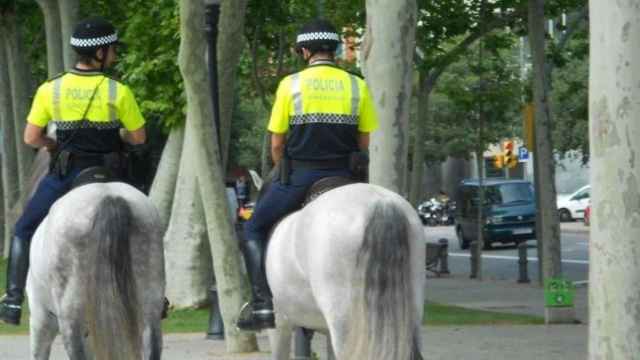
[[501, 262], [566, 342]]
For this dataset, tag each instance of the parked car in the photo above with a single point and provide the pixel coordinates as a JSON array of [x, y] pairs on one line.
[[587, 215], [571, 207], [509, 212]]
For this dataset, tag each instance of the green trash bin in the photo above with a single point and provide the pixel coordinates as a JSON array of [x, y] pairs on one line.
[[559, 293]]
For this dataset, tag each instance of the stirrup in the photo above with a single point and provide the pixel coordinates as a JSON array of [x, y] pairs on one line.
[[255, 320], [10, 313]]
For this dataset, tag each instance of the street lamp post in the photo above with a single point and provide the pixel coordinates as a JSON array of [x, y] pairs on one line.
[[212, 16]]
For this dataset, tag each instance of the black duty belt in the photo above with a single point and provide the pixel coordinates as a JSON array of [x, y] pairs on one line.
[[340, 163], [83, 160]]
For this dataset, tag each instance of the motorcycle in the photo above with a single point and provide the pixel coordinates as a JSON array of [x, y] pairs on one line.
[[433, 212]]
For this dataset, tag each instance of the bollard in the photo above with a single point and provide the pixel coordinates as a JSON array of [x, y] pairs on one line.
[[216, 326], [302, 344], [444, 256], [474, 248], [523, 263]]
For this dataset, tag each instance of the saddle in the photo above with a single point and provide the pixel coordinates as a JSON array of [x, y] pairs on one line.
[[94, 174], [323, 185]]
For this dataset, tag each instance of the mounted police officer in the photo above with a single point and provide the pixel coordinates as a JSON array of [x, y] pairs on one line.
[[321, 118], [89, 110]]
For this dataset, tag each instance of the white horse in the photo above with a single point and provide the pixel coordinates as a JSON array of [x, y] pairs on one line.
[[350, 264], [97, 276]]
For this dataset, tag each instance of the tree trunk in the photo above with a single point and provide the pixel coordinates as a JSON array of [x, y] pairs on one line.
[[388, 55], [187, 253], [9, 156], [163, 191], [614, 269], [51, 12], [231, 282], [432, 179], [230, 47], [3, 222], [416, 185], [549, 227], [20, 78], [68, 18]]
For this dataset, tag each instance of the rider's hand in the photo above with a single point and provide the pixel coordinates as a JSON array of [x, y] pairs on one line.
[[51, 146]]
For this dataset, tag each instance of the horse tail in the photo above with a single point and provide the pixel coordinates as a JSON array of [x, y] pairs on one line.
[[113, 309], [384, 317]]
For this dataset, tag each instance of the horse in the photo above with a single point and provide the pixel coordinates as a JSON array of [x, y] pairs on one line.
[[350, 264], [97, 276]]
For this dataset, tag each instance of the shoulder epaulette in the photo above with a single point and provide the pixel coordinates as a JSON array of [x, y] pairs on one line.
[[112, 77], [57, 76], [355, 73]]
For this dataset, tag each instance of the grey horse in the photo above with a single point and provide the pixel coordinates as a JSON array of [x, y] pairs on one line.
[[350, 264], [97, 276]]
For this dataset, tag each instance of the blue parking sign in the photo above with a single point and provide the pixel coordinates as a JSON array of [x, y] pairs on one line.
[[523, 153]]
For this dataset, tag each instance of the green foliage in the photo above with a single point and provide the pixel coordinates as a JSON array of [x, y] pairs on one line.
[[148, 62], [570, 97], [484, 81]]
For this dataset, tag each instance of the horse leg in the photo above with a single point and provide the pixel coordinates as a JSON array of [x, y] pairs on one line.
[[152, 339], [337, 336], [71, 321], [43, 329], [280, 341]]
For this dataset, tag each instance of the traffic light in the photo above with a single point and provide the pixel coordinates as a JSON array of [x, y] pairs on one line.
[[498, 161], [510, 159]]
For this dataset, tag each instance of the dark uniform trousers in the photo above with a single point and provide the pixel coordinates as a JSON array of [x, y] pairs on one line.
[[278, 201], [51, 188]]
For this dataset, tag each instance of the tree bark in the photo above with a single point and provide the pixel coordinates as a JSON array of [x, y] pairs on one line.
[[388, 57], [548, 226], [20, 78], [230, 46], [3, 222], [163, 189], [68, 18], [231, 282], [9, 156], [51, 12], [417, 190], [187, 253], [614, 269]]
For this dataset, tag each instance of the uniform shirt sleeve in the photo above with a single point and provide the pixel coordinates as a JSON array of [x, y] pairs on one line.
[[40, 113], [279, 121], [128, 110], [368, 118]]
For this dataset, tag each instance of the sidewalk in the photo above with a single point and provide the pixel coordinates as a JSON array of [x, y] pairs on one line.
[[534, 342]]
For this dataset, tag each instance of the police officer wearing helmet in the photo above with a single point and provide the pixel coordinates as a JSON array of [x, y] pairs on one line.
[[89, 109], [322, 115]]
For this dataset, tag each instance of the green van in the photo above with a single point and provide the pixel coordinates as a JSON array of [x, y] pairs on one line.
[[509, 214]]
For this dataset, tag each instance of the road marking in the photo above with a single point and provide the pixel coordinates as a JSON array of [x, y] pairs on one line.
[[503, 257]]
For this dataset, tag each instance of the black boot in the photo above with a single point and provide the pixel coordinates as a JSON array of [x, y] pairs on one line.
[[258, 314], [18, 266]]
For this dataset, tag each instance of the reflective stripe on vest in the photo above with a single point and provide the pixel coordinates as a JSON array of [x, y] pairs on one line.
[[113, 95], [57, 113]]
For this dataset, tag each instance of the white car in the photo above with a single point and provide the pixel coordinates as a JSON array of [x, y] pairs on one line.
[[572, 206]]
